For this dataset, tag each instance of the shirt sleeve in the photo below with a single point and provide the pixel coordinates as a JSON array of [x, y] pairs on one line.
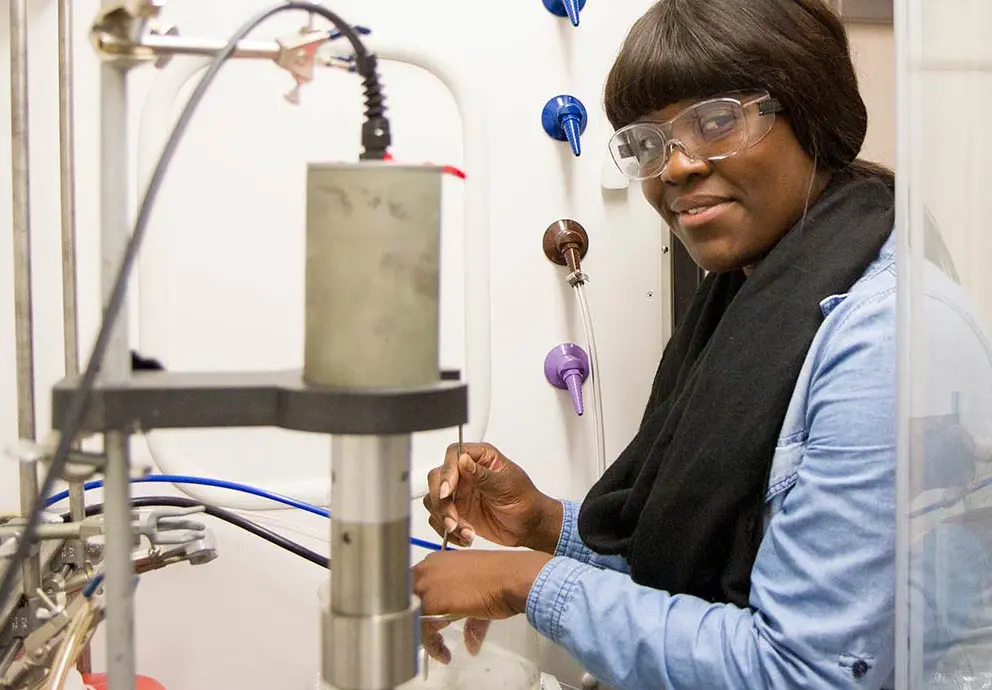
[[822, 599], [570, 545]]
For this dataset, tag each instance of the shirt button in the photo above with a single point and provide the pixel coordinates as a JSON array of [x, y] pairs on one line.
[[860, 668]]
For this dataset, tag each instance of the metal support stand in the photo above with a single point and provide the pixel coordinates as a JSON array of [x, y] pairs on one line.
[[370, 377]]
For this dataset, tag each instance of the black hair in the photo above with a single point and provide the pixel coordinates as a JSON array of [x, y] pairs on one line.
[[797, 50]]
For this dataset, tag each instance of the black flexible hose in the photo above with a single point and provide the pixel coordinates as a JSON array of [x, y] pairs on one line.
[[375, 138], [221, 514]]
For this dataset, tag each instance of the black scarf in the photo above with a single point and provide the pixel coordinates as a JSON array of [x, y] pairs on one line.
[[684, 501]]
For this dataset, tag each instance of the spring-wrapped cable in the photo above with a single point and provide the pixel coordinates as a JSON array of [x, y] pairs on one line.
[[375, 129]]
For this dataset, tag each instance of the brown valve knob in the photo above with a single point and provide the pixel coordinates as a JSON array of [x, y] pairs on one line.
[[566, 243]]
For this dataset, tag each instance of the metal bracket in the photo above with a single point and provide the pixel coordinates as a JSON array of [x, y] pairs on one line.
[[168, 526], [297, 55], [166, 400]]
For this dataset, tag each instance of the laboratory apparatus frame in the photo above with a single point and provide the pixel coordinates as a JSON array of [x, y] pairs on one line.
[[370, 407]]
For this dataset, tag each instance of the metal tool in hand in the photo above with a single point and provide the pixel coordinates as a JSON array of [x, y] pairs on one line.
[[447, 532]]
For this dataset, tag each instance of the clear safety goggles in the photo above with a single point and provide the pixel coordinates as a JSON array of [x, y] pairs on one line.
[[711, 130]]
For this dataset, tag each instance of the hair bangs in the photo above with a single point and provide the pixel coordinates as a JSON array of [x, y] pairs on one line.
[[673, 53]]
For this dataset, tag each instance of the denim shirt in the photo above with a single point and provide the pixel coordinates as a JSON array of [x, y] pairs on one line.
[[822, 602]]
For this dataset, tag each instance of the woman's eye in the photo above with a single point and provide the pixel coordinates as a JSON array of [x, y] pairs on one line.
[[717, 125]]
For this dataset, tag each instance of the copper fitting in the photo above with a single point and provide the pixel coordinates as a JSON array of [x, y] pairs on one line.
[[566, 244]]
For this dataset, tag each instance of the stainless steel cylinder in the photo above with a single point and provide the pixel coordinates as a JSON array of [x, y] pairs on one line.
[[369, 633], [380, 650], [372, 275]]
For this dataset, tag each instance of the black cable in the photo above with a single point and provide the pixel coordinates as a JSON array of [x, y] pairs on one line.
[[221, 514], [375, 140]]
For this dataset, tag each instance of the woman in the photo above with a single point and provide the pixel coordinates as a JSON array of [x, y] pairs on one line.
[[745, 536]]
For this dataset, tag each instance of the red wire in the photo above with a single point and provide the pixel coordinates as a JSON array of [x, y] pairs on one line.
[[448, 169]]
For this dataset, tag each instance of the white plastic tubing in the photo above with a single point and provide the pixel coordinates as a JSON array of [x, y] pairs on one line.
[[157, 119]]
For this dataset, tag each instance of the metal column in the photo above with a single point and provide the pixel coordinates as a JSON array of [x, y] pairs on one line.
[[370, 639], [67, 191], [23, 308], [116, 366]]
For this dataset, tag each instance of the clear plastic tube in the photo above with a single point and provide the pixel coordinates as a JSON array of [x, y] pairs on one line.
[[597, 391]]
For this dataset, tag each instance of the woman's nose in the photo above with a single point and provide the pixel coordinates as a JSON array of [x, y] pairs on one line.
[[680, 166]]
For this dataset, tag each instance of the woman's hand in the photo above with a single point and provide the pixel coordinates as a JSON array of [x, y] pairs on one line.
[[493, 498], [477, 585]]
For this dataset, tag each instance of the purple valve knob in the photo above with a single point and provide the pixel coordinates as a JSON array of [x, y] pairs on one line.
[[567, 367]]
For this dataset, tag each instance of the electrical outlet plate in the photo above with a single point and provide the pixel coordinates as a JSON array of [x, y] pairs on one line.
[[865, 11]]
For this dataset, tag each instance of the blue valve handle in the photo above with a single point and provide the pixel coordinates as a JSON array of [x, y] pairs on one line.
[[566, 8], [564, 118], [335, 34]]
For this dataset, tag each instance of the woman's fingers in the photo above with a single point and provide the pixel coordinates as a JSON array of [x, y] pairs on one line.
[[475, 634], [455, 538], [434, 645]]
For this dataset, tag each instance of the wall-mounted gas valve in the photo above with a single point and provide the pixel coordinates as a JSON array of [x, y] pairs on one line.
[[564, 118], [566, 8], [567, 367]]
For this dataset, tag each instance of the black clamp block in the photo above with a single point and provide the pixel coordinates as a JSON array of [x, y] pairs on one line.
[[168, 400]]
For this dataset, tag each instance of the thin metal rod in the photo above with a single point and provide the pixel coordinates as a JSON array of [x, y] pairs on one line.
[[116, 366], [118, 564], [171, 46], [179, 45], [70, 302], [23, 308], [67, 170]]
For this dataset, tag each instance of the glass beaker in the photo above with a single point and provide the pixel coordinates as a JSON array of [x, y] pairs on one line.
[[508, 658]]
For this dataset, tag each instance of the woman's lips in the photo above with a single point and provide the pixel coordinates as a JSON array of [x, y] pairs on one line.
[[701, 215]]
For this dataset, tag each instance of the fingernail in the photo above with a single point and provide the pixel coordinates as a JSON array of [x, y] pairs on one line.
[[445, 490], [472, 467], [468, 534], [450, 524]]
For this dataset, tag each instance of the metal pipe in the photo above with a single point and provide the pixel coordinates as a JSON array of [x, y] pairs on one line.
[[23, 308], [116, 366], [70, 305], [70, 302], [67, 171], [169, 46], [369, 635], [180, 45]]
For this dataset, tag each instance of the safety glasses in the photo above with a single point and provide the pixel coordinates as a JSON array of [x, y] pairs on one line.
[[710, 130]]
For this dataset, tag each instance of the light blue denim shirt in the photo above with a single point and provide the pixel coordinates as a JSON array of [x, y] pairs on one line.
[[822, 600]]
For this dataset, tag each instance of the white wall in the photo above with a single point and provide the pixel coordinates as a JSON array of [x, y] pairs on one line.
[[873, 50], [230, 226]]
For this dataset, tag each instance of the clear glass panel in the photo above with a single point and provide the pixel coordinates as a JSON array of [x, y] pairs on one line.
[[946, 367]]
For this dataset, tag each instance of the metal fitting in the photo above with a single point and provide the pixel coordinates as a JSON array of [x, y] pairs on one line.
[[298, 55], [117, 31]]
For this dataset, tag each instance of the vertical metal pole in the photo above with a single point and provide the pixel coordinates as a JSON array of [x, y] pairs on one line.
[[23, 308], [116, 366], [70, 307]]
